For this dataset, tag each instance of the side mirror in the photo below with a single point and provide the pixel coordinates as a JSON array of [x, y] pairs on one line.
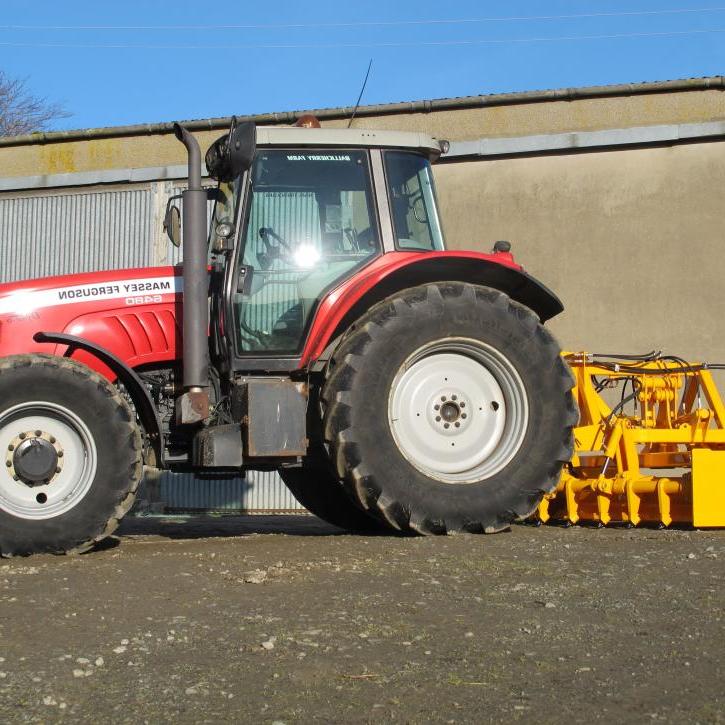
[[172, 224], [233, 153]]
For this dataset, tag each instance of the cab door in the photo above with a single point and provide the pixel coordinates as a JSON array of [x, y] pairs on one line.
[[310, 222]]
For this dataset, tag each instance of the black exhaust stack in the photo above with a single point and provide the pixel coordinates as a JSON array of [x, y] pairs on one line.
[[193, 405]]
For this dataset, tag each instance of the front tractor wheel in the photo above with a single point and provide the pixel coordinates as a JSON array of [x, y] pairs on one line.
[[449, 409], [72, 456]]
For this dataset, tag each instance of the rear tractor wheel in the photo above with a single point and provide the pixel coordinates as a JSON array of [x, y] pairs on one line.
[[72, 456], [449, 409], [317, 487]]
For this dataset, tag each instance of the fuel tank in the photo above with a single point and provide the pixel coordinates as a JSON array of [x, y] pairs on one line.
[[134, 313]]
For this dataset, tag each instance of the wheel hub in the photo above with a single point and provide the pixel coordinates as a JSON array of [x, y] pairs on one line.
[[458, 410], [35, 459], [50, 460], [450, 410]]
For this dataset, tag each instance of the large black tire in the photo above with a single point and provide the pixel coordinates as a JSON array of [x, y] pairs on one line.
[[319, 490], [359, 432], [98, 485]]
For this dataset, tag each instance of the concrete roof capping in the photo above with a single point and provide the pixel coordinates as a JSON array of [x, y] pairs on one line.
[[572, 142], [425, 106], [296, 137]]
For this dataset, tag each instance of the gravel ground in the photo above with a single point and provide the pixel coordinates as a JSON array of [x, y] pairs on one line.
[[285, 620]]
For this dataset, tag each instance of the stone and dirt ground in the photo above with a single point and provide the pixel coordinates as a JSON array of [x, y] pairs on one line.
[[287, 620]]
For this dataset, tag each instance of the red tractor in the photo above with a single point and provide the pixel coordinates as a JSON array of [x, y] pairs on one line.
[[318, 327]]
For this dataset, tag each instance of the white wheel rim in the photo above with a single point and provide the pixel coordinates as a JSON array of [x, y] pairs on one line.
[[77, 460], [458, 410]]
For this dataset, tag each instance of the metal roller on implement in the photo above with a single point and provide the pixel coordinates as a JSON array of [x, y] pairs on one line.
[[655, 457]]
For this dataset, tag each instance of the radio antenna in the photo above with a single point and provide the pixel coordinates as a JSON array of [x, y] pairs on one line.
[[362, 90]]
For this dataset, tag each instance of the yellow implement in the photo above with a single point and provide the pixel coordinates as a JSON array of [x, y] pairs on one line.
[[655, 456]]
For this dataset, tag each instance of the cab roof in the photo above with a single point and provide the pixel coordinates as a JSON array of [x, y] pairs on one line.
[[294, 136]]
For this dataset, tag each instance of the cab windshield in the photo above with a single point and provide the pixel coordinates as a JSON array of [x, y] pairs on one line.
[[413, 201]]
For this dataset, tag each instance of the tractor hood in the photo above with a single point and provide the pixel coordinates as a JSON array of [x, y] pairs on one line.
[[131, 312]]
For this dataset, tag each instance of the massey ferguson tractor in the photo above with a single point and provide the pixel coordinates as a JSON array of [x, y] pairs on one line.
[[318, 327]]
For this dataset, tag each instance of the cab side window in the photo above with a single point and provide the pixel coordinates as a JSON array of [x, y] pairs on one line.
[[412, 201]]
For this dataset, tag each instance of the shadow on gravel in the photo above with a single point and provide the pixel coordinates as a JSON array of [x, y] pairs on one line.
[[204, 527], [190, 527]]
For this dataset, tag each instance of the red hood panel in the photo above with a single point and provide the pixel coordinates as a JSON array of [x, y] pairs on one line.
[[134, 313]]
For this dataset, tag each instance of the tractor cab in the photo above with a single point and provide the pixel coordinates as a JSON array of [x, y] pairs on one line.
[[315, 206]]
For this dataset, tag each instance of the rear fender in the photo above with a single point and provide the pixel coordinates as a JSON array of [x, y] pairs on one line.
[[334, 316]]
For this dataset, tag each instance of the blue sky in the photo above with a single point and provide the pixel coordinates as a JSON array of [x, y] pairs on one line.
[[216, 72]]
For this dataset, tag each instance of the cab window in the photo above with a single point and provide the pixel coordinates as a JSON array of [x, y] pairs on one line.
[[310, 224], [413, 201]]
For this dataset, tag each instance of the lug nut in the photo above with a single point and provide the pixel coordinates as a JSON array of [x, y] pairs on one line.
[[57, 470], [454, 397], [436, 407], [443, 398], [38, 433], [458, 425], [16, 478], [463, 415], [463, 405], [52, 439], [11, 447], [446, 425], [8, 463], [21, 436], [438, 419], [60, 454]]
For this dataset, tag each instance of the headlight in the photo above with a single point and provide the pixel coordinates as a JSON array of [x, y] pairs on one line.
[[224, 230]]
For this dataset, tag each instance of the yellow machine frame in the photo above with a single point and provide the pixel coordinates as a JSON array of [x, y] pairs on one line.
[[678, 428]]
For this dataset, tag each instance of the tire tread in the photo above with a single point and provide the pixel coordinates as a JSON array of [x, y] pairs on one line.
[[338, 393]]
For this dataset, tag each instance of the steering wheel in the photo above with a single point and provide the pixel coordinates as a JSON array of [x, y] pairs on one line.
[[274, 245]]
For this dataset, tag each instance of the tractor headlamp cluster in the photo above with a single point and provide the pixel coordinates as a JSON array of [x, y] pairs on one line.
[[224, 230]]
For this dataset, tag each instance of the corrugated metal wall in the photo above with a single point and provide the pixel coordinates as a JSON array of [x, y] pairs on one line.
[[258, 492], [49, 234], [114, 227]]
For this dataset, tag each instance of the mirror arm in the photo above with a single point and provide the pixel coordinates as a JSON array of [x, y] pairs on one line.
[[168, 204]]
